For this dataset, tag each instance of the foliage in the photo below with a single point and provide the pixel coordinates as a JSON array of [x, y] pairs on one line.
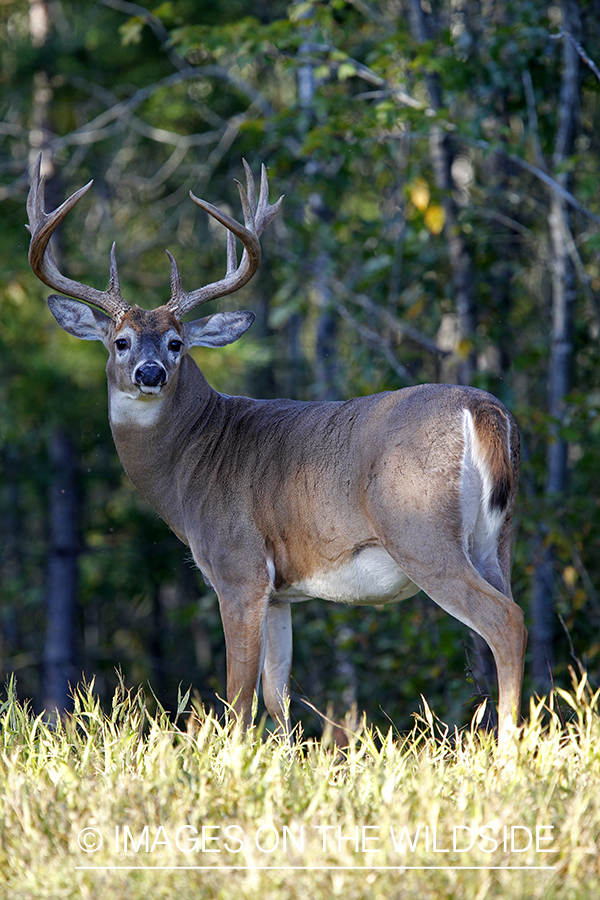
[[153, 105]]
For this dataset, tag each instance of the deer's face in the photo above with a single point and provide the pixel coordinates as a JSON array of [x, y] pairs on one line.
[[146, 346], [145, 350]]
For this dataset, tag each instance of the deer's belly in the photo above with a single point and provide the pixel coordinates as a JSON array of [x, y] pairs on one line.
[[371, 576]]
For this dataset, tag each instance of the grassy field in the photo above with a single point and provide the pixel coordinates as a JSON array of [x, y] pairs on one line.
[[133, 805]]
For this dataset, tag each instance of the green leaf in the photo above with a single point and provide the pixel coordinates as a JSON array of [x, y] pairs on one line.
[[131, 31], [345, 71]]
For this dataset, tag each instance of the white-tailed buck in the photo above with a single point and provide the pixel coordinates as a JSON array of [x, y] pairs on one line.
[[363, 501]]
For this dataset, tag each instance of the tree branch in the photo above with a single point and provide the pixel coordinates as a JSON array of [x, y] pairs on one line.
[[113, 119], [589, 62], [541, 175], [155, 24], [517, 160], [363, 72], [372, 14], [374, 340], [532, 117], [398, 328]]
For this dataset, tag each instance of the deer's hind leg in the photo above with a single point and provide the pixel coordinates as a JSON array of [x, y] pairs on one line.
[[436, 556], [467, 595]]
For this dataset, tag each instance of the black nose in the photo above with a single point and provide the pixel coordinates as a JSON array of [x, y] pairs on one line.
[[150, 374]]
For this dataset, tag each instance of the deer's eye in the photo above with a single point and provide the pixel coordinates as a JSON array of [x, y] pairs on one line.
[[175, 345], [121, 344]]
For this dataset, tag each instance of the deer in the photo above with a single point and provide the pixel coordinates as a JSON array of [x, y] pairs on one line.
[[363, 501]]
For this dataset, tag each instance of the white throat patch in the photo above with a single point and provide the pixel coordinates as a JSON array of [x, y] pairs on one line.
[[140, 409]]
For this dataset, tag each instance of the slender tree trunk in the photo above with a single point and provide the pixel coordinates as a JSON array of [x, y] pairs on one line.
[[326, 327], [293, 374], [326, 351], [61, 589], [463, 362], [39, 30], [157, 644], [561, 355], [442, 155], [262, 378], [62, 578], [11, 555]]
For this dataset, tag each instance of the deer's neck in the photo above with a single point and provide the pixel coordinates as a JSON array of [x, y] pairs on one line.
[[152, 434]]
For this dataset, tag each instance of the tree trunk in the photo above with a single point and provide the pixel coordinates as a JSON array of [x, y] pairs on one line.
[[441, 154], [11, 556], [326, 329], [157, 654], [462, 364], [61, 589], [561, 354], [326, 326]]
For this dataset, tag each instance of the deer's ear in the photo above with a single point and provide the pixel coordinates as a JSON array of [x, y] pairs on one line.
[[79, 319], [219, 329]]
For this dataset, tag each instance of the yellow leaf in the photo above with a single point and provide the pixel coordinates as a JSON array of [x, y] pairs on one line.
[[420, 194], [435, 218], [464, 348]]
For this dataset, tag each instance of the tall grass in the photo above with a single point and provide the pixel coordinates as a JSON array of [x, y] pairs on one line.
[[135, 804]]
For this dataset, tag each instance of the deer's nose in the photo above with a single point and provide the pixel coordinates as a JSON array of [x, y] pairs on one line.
[[150, 374]]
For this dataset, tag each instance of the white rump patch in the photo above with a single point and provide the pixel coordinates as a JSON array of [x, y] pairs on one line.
[[370, 577], [481, 522]]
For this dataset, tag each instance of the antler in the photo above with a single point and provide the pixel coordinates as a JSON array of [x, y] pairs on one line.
[[42, 225], [236, 276]]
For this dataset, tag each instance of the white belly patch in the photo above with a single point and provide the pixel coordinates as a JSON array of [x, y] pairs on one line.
[[370, 577]]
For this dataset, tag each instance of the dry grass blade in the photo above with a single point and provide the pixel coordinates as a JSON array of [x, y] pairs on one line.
[[130, 800]]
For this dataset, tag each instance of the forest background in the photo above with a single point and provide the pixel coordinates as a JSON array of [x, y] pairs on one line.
[[441, 222]]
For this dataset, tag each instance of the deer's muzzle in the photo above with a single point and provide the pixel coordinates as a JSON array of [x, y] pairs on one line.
[[150, 374]]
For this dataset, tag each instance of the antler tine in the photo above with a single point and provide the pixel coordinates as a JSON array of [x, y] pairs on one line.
[[251, 192], [265, 213], [176, 286], [255, 222], [231, 254], [42, 226]]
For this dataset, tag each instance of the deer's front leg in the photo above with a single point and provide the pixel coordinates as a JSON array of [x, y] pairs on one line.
[[244, 616]]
